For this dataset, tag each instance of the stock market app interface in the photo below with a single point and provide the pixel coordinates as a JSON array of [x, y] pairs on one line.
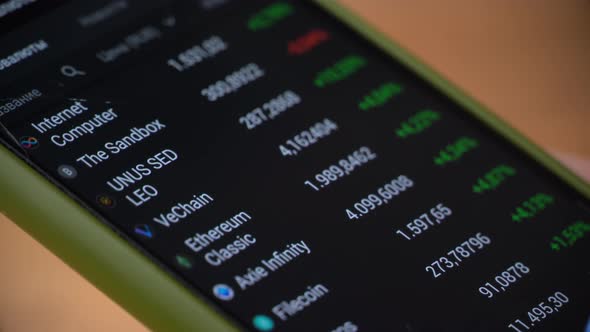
[[280, 166]]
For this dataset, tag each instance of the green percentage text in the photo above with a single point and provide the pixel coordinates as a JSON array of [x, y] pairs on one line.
[[417, 123], [531, 207], [455, 150], [570, 235], [340, 70], [269, 16], [380, 96], [493, 179]]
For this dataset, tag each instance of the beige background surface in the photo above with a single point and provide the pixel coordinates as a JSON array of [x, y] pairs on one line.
[[529, 61]]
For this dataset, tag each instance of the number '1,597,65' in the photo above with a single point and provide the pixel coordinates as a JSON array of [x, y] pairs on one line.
[[431, 218]]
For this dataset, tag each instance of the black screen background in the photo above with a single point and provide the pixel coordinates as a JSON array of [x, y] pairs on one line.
[[376, 279]]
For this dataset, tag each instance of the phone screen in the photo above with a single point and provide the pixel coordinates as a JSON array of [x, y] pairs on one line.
[[284, 168]]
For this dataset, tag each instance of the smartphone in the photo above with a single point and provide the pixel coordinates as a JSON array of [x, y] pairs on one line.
[[221, 165]]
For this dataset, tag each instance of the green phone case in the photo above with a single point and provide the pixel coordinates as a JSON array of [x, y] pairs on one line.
[[133, 280]]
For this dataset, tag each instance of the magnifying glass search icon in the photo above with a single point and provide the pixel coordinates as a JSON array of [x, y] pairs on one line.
[[71, 71]]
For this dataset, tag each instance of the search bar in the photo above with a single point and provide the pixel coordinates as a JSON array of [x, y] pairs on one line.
[[60, 22]]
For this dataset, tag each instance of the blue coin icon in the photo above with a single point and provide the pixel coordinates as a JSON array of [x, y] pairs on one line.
[[144, 230], [223, 292]]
